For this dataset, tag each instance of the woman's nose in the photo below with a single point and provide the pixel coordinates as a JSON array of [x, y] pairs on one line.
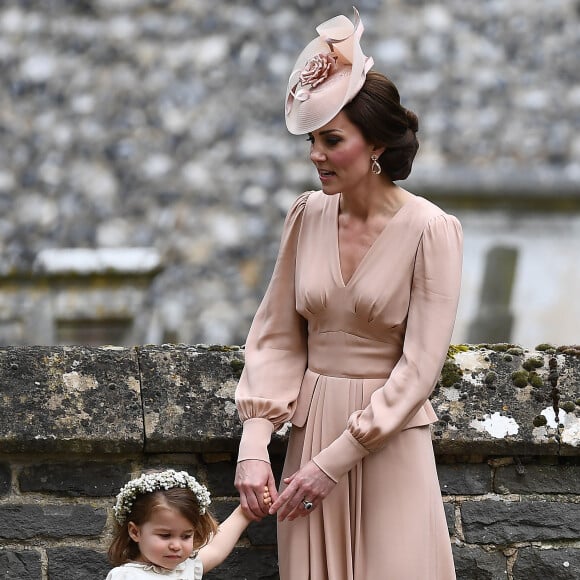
[[316, 155]]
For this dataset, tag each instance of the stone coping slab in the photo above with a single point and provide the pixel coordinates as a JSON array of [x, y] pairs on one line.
[[503, 399], [188, 397], [490, 399], [70, 400]]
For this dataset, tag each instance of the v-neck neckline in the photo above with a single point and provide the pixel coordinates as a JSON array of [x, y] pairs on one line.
[[372, 247]]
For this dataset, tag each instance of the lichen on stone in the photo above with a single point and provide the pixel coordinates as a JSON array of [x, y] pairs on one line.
[[456, 348]]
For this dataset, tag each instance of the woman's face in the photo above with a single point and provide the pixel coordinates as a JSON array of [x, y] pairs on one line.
[[341, 155]]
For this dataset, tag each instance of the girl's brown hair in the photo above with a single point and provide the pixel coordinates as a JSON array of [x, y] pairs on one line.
[[377, 111], [123, 549]]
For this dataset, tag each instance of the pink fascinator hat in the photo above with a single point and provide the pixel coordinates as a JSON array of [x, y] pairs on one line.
[[328, 74]]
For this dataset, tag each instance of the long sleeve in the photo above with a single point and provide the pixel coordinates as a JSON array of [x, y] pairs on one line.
[[276, 350], [431, 317]]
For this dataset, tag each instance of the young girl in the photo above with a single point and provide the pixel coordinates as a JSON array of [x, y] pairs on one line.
[[163, 529]]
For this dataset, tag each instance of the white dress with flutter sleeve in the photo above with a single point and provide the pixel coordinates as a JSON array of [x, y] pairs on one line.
[[191, 569]]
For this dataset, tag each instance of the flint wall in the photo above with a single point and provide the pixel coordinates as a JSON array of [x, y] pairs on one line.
[[76, 422], [157, 125]]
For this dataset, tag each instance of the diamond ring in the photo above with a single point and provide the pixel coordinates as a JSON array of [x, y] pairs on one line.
[[308, 505]]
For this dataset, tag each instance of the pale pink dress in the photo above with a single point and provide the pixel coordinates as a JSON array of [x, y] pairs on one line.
[[352, 366]]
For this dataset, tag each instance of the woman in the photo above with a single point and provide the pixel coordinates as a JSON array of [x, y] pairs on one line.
[[350, 337]]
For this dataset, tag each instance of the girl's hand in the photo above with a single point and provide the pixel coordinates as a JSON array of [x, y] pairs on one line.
[[252, 476], [308, 484], [267, 497]]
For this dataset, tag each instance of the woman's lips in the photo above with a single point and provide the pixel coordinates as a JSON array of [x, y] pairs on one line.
[[324, 175]]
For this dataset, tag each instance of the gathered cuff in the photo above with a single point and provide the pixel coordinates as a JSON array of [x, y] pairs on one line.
[[340, 456], [256, 435]]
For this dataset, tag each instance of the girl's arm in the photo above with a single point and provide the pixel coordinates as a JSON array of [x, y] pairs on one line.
[[221, 545]]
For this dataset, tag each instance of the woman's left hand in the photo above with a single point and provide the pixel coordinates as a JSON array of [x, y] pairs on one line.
[[308, 484]]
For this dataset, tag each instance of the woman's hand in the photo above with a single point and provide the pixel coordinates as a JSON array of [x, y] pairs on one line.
[[308, 484], [252, 476]]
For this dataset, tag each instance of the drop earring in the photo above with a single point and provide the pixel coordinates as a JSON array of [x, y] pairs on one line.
[[375, 166]]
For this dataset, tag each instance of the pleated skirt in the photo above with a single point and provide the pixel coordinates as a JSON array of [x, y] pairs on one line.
[[384, 520]]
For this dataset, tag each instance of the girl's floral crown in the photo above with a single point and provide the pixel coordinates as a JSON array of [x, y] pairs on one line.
[[163, 480]]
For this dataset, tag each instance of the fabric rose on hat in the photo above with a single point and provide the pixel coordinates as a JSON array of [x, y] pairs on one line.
[[317, 69]]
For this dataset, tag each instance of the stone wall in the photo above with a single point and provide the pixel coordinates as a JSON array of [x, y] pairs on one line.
[[76, 422], [158, 125]]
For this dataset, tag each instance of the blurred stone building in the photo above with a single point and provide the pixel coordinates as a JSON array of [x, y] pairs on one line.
[[145, 168]]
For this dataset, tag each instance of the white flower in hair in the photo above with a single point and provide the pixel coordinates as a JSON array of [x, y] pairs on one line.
[[163, 480]]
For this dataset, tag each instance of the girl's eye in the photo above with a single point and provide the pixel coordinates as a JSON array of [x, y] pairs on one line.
[[187, 536]]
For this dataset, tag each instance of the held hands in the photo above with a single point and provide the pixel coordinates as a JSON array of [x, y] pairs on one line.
[[267, 497], [308, 484], [255, 482]]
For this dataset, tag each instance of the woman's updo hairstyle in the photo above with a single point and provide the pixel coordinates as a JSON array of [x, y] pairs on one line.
[[377, 111]]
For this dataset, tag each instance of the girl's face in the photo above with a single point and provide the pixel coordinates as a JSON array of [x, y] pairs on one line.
[[341, 155], [165, 540]]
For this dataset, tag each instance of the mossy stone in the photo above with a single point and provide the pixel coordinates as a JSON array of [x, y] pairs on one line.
[[450, 374], [535, 380], [533, 363], [456, 348], [490, 378], [520, 378], [540, 421], [545, 347], [237, 366]]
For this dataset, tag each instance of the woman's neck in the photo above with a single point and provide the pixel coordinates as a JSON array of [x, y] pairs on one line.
[[378, 201]]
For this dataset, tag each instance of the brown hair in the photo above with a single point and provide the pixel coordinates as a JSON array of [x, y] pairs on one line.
[[123, 549], [377, 111]]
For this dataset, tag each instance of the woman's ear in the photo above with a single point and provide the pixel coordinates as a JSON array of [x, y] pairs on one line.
[[134, 532], [378, 151]]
